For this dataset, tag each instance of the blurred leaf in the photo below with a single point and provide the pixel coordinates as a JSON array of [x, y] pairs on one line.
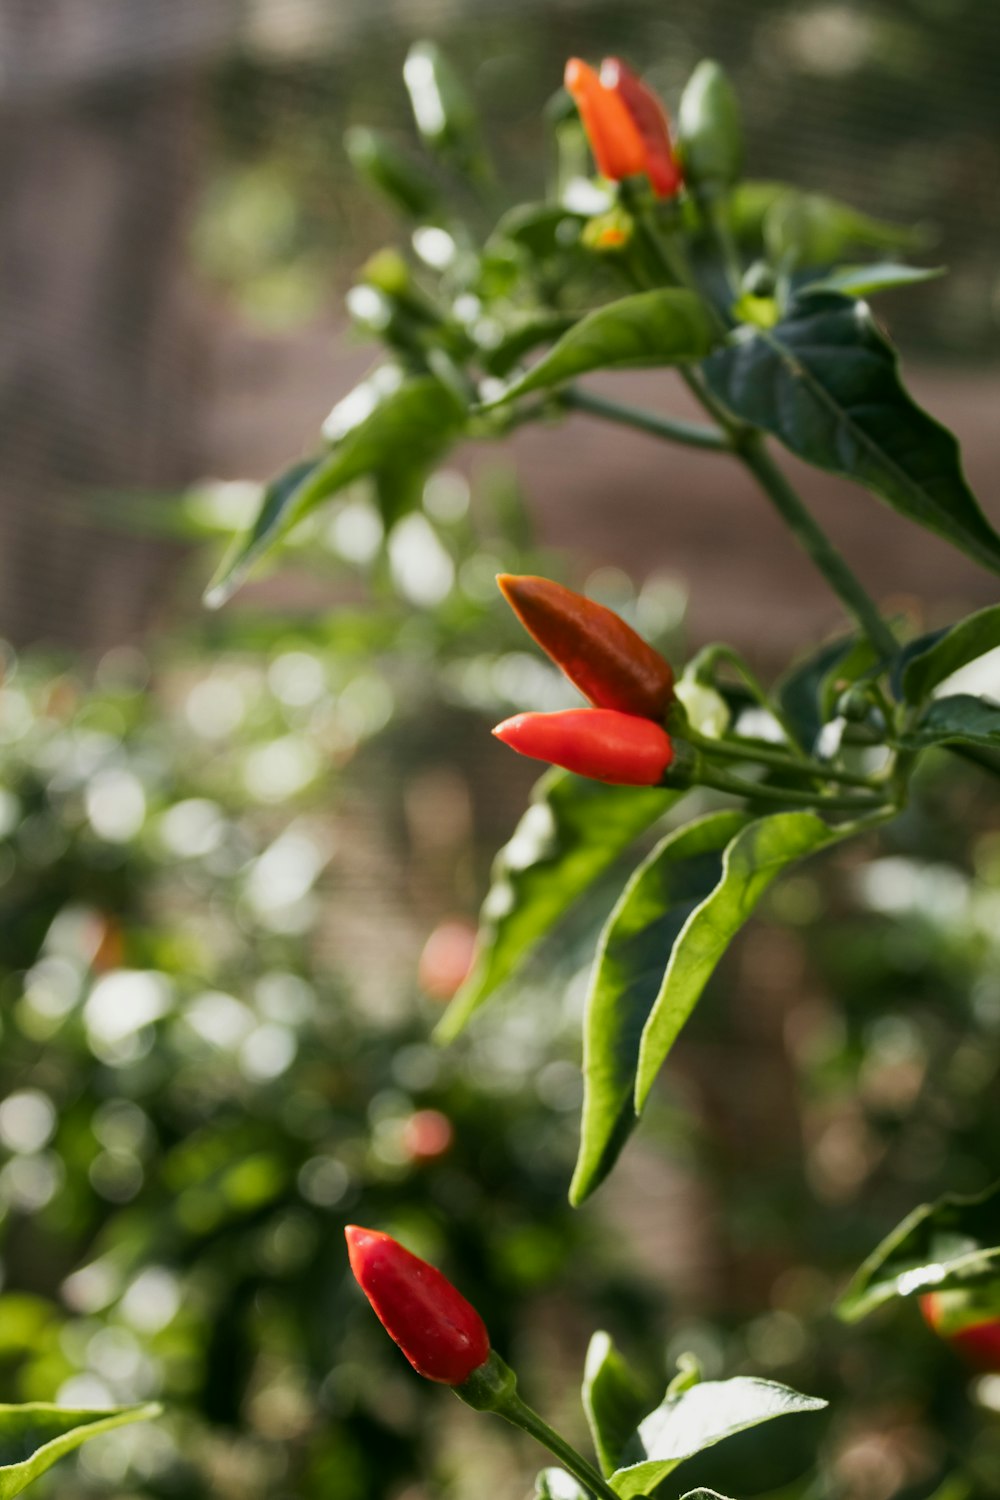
[[612, 1398], [443, 109], [556, 1484], [664, 327], [387, 424], [862, 281], [964, 642], [960, 718], [826, 383], [953, 1242], [572, 832], [632, 958], [756, 855], [542, 229], [36, 1435], [522, 334], [810, 229], [394, 173], [686, 1423]]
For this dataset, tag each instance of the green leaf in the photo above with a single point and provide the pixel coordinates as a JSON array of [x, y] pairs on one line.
[[388, 424], [632, 958], [863, 281], [951, 1243], [964, 642], [572, 832], [36, 1435], [664, 327], [754, 858], [801, 692], [612, 1398], [826, 383], [959, 719], [556, 1484], [520, 334], [393, 173], [810, 229], [445, 115], [695, 1419]]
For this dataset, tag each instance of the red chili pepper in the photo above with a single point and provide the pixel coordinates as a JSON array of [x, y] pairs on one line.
[[978, 1343], [599, 653], [625, 123], [650, 119], [597, 742], [441, 1334]]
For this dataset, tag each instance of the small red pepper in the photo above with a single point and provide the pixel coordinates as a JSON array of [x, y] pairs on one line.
[[601, 655], [978, 1343], [601, 743], [625, 123], [441, 1334]]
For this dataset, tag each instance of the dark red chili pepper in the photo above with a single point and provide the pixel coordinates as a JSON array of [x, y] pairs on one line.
[[978, 1343], [625, 123], [610, 664], [597, 742], [441, 1334]]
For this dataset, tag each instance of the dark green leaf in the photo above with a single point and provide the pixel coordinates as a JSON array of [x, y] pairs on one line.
[[543, 229], [36, 1435], [801, 692], [951, 1243], [695, 1419], [556, 1484], [571, 833], [631, 960], [664, 327], [863, 281], [386, 423], [826, 383], [756, 855], [612, 1398], [957, 719], [964, 642]]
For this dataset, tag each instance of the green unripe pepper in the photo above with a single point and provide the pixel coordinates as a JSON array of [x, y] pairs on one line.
[[381, 164], [445, 114], [710, 131]]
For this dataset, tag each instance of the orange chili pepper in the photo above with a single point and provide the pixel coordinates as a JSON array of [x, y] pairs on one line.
[[625, 123], [599, 653], [650, 119]]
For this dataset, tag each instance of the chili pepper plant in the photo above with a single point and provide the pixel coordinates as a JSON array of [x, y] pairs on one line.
[[655, 251]]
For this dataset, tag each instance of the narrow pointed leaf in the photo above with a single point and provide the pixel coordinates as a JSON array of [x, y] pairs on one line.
[[963, 643], [826, 383], [631, 961], [665, 327], [695, 1419], [36, 1435], [572, 832], [613, 1400], [387, 422], [953, 1242], [865, 281], [958, 719], [752, 861]]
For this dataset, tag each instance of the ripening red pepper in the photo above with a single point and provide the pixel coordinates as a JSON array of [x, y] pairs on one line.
[[978, 1342], [601, 655], [601, 743], [626, 124], [441, 1334]]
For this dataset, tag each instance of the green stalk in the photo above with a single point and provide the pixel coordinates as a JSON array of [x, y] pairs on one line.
[[750, 750], [674, 429], [721, 781], [493, 1387]]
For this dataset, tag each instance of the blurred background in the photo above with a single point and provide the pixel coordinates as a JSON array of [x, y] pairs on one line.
[[226, 839]]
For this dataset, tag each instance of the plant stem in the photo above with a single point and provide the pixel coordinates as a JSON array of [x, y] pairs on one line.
[[721, 781], [675, 430], [747, 750], [704, 662], [813, 540], [521, 1415]]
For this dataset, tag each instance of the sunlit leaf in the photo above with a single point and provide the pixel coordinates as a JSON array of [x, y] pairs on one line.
[[865, 281], [957, 719], [689, 1421], [951, 1243], [631, 961], [826, 383], [612, 1398], [36, 1435], [963, 643], [556, 1484], [752, 861], [664, 327], [571, 833]]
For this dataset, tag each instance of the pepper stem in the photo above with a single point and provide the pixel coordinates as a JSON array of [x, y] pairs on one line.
[[493, 1387]]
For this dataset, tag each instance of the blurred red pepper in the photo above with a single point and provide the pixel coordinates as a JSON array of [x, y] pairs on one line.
[[601, 655], [977, 1342], [446, 959], [427, 1135], [626, 124], [601, 743], [441, 1334]]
